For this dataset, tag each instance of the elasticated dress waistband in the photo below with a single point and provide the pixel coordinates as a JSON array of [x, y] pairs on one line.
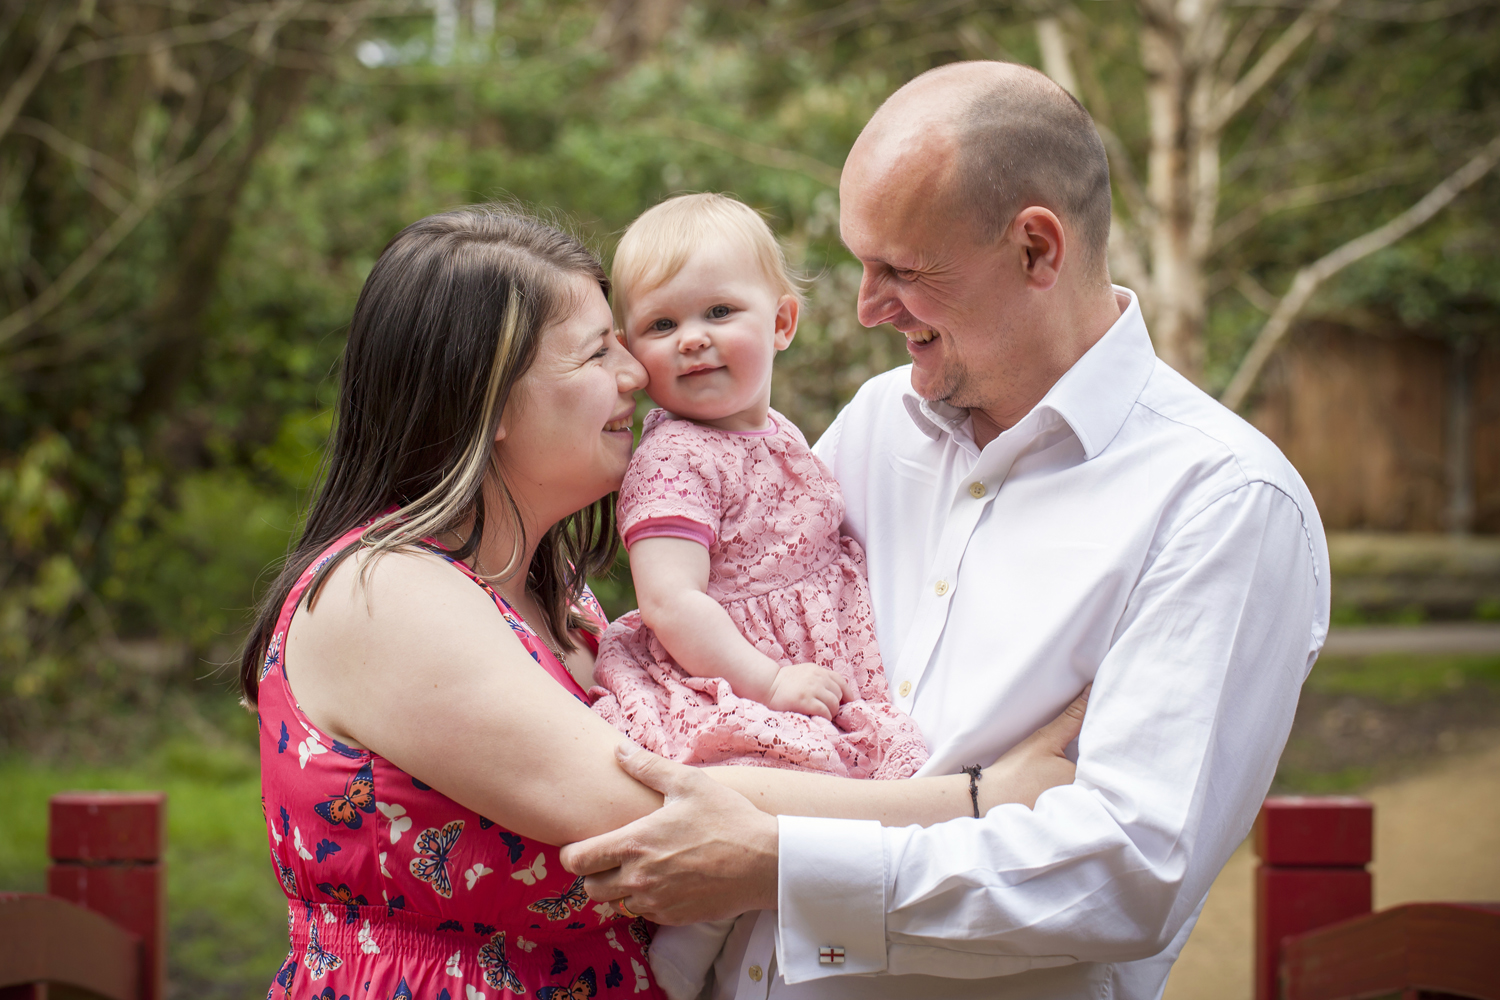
[[347, 930]]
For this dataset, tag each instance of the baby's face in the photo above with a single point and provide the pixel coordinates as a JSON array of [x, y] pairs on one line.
[[707, 338]]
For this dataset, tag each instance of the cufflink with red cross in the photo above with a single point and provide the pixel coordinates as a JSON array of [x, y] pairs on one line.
[[831, 954]]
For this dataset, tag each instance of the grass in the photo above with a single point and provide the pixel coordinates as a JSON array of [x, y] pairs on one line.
[[1401, 678], [226, 911], [1368, 719]]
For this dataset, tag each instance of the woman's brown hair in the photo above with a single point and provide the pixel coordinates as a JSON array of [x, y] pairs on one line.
[[448, 321]]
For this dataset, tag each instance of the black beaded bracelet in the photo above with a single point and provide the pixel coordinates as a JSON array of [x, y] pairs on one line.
[[975, 772]]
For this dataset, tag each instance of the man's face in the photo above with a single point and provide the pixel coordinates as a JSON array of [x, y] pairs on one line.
[[929, 273]]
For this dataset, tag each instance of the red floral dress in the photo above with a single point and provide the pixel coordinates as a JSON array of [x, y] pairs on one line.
[[396, 892]]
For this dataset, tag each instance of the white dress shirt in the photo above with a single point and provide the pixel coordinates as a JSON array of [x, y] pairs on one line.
[[1129, 531]]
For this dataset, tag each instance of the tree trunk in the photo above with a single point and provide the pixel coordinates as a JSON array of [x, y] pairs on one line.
[[1179, 47], [1459, 440]]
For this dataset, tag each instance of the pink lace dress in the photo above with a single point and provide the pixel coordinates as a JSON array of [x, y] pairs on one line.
[[395, 891], [769, 512]]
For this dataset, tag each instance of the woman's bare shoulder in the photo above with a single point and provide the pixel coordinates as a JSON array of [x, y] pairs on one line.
[[374, 602]]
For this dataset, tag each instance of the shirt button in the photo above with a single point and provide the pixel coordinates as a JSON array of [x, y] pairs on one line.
[[904, 689], [941, 587], [755, 973], [976, 490]]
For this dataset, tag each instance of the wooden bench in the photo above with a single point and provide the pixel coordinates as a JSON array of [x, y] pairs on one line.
[[101, 928], [1316, 937]]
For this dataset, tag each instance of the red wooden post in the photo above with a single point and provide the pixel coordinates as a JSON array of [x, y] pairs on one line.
[[107, 855], [1313, 853]]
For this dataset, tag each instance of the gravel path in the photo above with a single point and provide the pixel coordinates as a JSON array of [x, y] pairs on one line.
[[1437, 837], [1443, 639]]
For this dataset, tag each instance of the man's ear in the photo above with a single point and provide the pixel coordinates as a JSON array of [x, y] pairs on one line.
[[1040, 235], [787, 311]]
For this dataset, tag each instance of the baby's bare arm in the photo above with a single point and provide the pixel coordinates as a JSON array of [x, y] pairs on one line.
[[671, 583]]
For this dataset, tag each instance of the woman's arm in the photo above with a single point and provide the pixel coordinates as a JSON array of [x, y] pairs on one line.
[[671, 584], [1023, 773], [417, 667]]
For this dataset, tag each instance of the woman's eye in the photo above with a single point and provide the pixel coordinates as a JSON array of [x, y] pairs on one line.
[[719, 312]]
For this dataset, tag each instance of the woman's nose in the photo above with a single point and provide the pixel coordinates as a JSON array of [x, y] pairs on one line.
[[631, 374]]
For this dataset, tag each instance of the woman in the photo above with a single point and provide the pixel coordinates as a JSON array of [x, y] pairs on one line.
[[419, 666]]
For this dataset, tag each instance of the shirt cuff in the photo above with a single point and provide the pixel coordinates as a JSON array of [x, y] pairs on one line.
[[831, 898], [669, 527]]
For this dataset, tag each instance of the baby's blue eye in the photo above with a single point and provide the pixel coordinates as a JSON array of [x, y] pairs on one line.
[[663, 325], [719, 312]]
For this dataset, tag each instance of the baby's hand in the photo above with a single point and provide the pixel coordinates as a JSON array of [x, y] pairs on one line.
[[809, 689]]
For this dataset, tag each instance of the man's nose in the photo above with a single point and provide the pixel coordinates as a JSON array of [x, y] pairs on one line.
[[877, 302]]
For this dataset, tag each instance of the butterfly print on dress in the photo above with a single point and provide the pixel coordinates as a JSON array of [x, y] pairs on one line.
[[358, 797], [583, 987], [431, 864], [560, 906], [496, 965]]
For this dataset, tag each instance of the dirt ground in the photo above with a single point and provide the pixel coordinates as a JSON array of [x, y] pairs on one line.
[[1437, 837]]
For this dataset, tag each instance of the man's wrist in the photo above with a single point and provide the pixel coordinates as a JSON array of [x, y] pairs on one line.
[[768, 865]]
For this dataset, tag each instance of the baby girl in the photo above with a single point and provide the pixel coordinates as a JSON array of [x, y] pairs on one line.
[[755, 639]]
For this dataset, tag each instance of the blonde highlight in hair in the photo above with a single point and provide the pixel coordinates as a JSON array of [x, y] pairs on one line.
[[448, 322], [449, 502], [657, 245]]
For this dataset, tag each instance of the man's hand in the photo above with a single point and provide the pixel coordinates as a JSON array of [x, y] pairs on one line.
[[706, 854], [1037, 763], [809, 689]]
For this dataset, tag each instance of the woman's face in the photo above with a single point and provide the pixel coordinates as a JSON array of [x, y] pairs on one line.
[[564, 438]]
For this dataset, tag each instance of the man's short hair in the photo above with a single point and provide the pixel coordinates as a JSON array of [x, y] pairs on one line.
[[1026, 141], [658, 243]]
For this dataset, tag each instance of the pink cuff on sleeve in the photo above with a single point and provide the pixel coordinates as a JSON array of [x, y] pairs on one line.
[[669, 527]]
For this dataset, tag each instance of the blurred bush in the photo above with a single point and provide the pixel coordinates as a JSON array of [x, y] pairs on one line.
[[219, 178]]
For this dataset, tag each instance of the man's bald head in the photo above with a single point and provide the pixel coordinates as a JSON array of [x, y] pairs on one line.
[[1009, 138]]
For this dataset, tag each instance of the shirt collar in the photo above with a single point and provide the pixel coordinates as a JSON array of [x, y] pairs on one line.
[[1093, 397]]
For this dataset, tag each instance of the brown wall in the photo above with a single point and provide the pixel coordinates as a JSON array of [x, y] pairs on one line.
[[1362, 417]]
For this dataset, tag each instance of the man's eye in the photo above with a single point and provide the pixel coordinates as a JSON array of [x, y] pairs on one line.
[[719, 312], [904, 274]]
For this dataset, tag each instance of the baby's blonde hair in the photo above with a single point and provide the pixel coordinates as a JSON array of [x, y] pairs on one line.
[[658, 243]]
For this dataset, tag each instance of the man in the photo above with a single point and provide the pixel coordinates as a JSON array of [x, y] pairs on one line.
[[1043, 504]]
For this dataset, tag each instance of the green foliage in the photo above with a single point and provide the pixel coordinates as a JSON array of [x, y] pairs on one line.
[[147, 481], [226, 911]]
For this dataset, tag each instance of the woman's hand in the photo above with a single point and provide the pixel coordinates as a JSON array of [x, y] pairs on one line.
[[809, 689], [1035, 764]]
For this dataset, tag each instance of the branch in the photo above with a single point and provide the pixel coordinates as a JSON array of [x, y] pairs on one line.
[[90, 159], [1309, 194], [745, 149], [1245, 40], [149, 194], [232, 23], [1310, 277], [23, 85], [1255, 293], [1270, 63], [1054, 47], [104, 244]]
